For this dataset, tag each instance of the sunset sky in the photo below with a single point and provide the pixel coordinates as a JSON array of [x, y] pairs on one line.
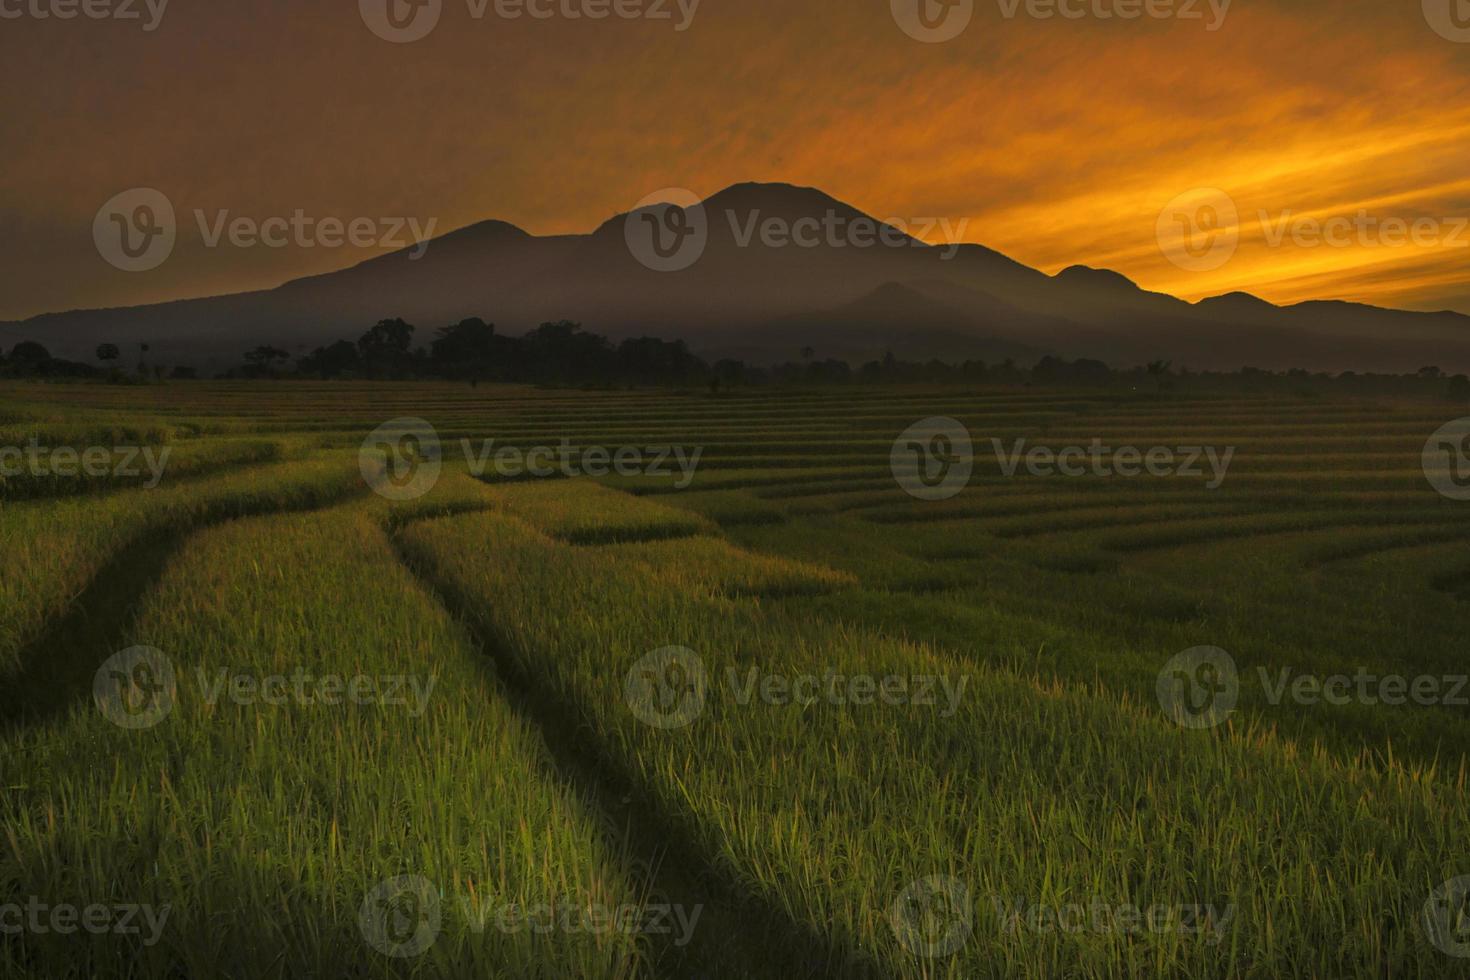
[[1059, 140]]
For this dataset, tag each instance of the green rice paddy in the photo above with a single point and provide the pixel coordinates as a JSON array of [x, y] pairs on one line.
[[753, 710]]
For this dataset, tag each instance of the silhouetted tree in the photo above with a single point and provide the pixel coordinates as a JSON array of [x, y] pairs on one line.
[[261, 362], [385, 349], [28, 353], [562, 351], [332, 361], [108, 352], [29, 359], [265, 356], [649, 360], [470, 350]]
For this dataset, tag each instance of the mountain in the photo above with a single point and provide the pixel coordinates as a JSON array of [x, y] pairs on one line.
[[781, 268]]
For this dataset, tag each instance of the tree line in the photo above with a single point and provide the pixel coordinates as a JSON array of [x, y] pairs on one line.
[[562, 353], [29, 359]]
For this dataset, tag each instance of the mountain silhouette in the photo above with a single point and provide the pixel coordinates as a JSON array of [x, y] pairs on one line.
[[848, 286]]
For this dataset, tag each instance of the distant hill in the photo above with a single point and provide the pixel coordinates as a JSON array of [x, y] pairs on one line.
[[745, 298]]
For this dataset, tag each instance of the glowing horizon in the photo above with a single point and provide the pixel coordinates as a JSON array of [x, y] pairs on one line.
[[1058, 142]]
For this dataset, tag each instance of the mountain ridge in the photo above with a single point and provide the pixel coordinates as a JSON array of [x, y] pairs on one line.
[[743, 288]]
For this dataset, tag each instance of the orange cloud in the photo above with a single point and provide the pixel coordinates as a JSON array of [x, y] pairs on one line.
[[1059, 141]]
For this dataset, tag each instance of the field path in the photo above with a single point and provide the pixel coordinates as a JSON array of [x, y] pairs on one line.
[[56, 668], [740, 934]]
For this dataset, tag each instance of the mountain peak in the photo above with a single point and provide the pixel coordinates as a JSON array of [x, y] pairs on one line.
[[1236, 302], [776, 197], [483, 231], [1087, 275], [786, 202]]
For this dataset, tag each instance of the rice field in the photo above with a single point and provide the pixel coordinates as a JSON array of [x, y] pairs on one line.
[[637, 683]]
